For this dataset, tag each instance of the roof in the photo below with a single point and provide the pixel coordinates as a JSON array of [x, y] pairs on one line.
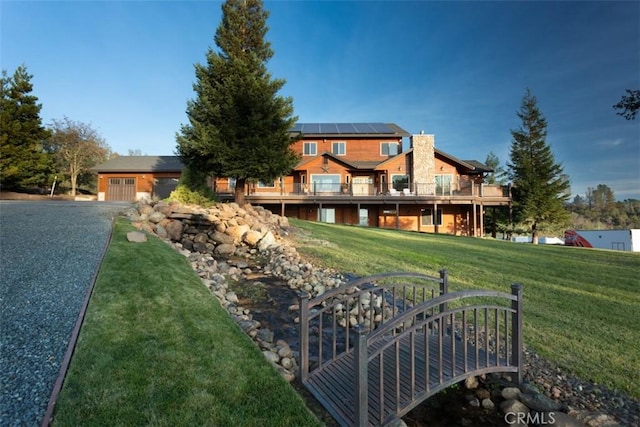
[[141, 164], [472, 165], [350, 130]]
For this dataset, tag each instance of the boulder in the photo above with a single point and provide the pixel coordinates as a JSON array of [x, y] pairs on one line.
[[221, 238], [252, 237], [237, 232], [136, 237], [174, 230], [267, 241], [156, 217], [225, 249]]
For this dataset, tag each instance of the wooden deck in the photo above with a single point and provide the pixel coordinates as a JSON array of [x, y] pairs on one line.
[[385, 371]]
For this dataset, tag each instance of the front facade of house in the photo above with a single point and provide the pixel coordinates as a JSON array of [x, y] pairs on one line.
[[358, 173]]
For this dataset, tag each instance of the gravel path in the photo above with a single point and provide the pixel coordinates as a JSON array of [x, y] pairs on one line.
[[49, 253]]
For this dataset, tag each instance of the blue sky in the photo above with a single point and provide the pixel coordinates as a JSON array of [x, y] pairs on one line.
[[454, 69]]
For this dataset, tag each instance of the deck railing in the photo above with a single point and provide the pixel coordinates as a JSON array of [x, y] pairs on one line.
[[355, 190], [327, 321]]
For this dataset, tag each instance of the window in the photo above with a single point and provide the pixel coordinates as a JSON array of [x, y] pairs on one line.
[[325, 183], [309, 149], [443, 184], [388, 148], [426, 217], [399, 182], [271, 184], [327, 215], [339, 148]]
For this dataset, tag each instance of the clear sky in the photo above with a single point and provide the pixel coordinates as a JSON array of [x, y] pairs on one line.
[[454, 69]]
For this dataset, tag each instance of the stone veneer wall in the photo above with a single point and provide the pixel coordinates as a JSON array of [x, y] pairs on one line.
[[423, 159]]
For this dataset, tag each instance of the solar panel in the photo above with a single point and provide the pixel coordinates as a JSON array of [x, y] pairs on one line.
[[381, 128], [343, 128]]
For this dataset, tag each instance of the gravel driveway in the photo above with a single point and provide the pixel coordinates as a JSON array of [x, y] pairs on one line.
[[49, 253]]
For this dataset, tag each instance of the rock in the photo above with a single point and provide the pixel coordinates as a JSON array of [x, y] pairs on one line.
[[200, 247], [514, 406], [286, 362], [271, 356], [174, 230], [201, 238], [540, 402], [488, 404], [483, 393], [265, 335], [161, 231], [221, 238], [252, 237], [286, 374], [471, 383], [156, 217], [145, 209], [136, 236], [558, 419], [225, 249], [237, 232], [509, 393], [267, 241], [231, 297]]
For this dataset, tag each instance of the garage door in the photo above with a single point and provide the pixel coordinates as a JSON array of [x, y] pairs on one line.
[[121, 189]]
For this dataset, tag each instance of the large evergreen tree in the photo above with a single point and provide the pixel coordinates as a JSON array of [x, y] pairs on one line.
[[540, 187], [23, 162], [238, 124]]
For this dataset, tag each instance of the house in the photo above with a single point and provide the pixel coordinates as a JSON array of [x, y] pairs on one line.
[[358, 173], [130, 178]]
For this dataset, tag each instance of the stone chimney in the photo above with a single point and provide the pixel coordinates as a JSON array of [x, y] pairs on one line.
[[424, 163]]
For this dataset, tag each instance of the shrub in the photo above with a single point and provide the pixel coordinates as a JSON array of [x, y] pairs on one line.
[[187, 196], [192, 189]]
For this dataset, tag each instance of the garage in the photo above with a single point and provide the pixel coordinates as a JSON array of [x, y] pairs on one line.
[[131, 178]]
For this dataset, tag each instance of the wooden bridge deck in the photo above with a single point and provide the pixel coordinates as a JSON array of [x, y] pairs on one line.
[[334, 385]]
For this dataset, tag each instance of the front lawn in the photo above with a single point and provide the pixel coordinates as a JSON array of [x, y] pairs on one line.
[[156, 348]]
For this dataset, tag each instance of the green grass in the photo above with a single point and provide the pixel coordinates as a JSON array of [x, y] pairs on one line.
[[581, 307], [156, 348]]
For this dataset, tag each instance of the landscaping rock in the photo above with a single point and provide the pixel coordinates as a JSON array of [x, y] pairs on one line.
[[174, 230], [136, 237]]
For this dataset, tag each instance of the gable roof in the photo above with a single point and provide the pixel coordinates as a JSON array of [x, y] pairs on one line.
[[386, 130], [353, 164], [141, 164], [473, 166]]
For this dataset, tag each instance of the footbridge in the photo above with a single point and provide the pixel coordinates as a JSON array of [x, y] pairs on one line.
[[375, 348]]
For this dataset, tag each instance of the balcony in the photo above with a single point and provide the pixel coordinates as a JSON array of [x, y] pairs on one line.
[[356, 192]]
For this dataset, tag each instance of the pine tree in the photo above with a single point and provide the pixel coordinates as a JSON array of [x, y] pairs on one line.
[[23, 161], [540, 187], [238, 125]]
